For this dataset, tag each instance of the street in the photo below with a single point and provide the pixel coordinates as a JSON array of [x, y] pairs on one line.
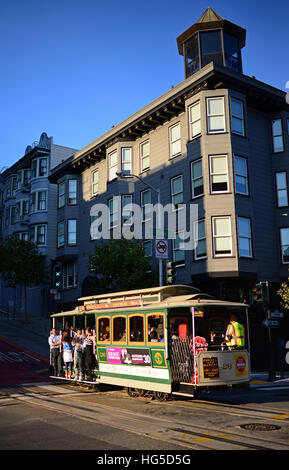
[[38, 413]]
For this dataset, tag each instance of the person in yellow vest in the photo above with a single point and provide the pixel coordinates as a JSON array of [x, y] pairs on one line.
[[235, 334]]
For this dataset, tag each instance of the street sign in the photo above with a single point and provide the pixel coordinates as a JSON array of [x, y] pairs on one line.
[[271, 323], [162, 249], [277, 314]]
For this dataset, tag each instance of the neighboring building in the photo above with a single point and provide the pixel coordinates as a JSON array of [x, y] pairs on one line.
[[28, 209], [219, 139]]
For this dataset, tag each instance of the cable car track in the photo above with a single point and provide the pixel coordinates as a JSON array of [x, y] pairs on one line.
[[193, 436]]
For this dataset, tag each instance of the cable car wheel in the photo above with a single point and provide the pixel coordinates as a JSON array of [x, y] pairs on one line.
[[135, 392], [161, 396]]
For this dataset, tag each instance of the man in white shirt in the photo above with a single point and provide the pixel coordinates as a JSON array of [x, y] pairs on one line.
[[54, 341]]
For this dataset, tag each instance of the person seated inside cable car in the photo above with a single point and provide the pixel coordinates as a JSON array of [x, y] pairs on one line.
[[122, 336], [154, 335]]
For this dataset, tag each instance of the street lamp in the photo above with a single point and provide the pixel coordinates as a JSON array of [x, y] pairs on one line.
[[124, 175]]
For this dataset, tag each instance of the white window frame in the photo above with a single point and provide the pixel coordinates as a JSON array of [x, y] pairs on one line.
[[197, 239], [196, 179], [94, 184], [37, 227], [173, 142], [179, 205], [144, 211], [194, 122], [39, 201], [39, 166], [112, 169], [239, 118], [60, 243], [65, 268], [284, 245], [215, 236], [245, 177], [126, 211], [144, 157], [277, 136], [249, 238], [149, 244], [71, 232], [214, 174], [113, 209], [279, 189], [180, 262], [125, 162], [211, 116], [69, 192], [61, 195]]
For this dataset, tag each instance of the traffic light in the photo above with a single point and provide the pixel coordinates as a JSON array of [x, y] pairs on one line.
[[171, 272], [57, 276], [259, 293]]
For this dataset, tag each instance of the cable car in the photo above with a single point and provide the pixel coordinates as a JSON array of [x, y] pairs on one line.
[[165, 340]]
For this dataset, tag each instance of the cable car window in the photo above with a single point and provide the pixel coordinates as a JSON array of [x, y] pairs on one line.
[[103, 330], [79, 323], [90, 321], [155, 330], [119, 329], [136, 329]]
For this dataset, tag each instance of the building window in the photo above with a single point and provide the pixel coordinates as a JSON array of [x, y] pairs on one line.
[[237, 116], [245, 237], [113, 212], [147, 246], [195, 120], [178, 252], [61, 194], [13, 215], [145, 155], [71, 232], [33, 202], [222, 238], [60, 234], [43, 167], [25, 208], [127, 209], [284, 236], [94, 182], [281, 188], [40, 234], [175, 140], [33, 168], [112, 165], [216, 115], [241, 175], [72, 192], [146, 205], [126, 160], [219, 174], [69, 275], [277, 134], [177, 191], [200, 251], [41, 203], [197, 179]]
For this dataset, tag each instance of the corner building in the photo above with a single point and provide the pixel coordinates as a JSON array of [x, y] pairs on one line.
[[219, 140]]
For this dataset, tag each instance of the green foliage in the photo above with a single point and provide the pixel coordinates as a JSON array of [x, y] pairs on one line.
[[22, 264], [121, 265], [283, 292]]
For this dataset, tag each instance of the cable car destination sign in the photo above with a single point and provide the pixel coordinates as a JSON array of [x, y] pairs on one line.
[[104, 305]]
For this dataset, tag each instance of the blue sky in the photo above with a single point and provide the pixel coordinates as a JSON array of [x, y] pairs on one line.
[[75, 68]]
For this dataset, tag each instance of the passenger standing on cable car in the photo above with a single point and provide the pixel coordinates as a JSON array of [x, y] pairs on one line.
[[54, 341], [235, 333], [89, 361], [67, 353]]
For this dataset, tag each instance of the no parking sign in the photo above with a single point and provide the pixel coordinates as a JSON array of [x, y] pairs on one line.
[[162, 249]]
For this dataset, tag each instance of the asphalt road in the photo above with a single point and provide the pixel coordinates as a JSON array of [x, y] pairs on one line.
[[38, 413]]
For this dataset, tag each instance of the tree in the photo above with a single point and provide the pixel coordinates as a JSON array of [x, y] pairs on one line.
[[22, 264], [121, 265], [283, 292]]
